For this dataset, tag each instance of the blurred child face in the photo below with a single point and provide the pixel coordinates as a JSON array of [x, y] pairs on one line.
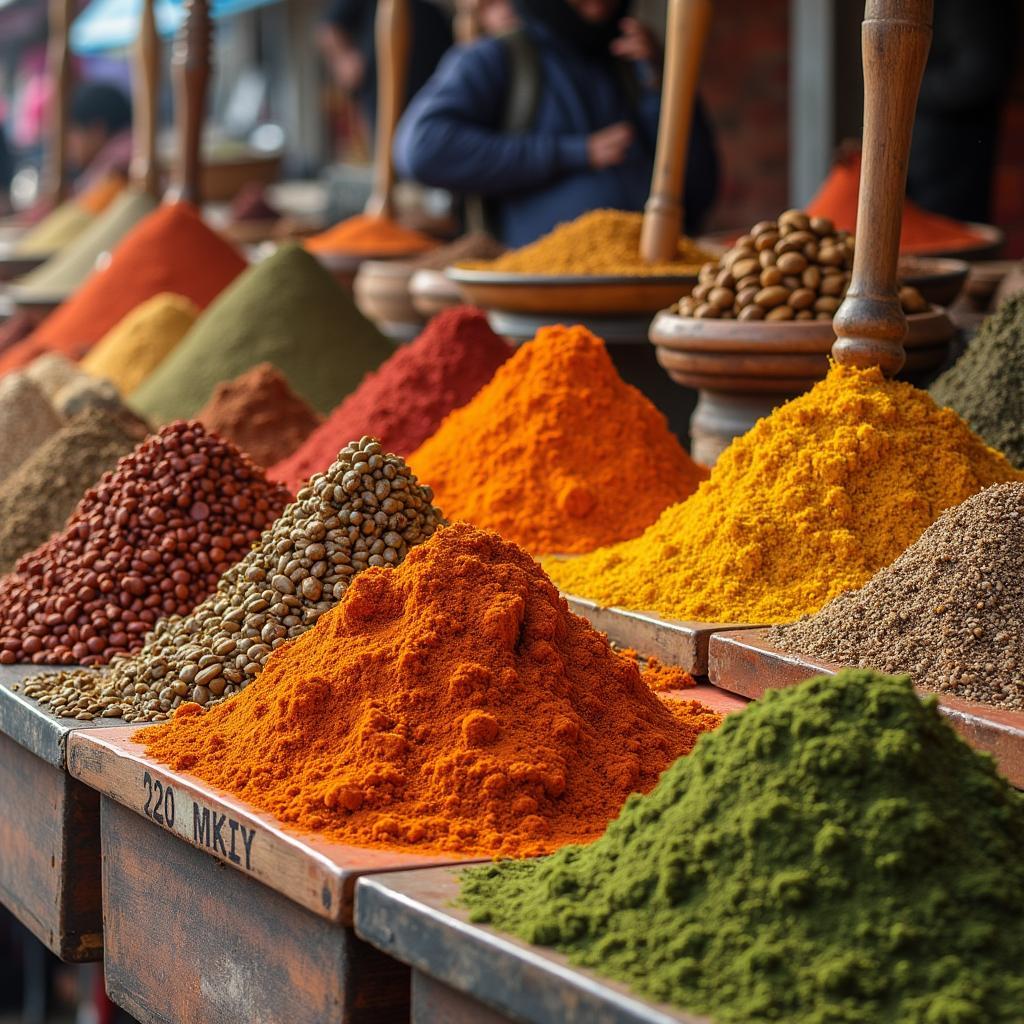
[[595, 11], [496, 16]]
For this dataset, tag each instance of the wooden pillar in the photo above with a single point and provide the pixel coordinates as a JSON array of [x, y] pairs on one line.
[[145, 172], [191, 69], [59, 71]]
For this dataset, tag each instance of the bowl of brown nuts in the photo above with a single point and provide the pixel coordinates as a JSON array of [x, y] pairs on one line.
[[757, 328]]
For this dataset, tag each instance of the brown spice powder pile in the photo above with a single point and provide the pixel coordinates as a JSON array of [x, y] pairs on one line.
[[949, 611], [261, 414]]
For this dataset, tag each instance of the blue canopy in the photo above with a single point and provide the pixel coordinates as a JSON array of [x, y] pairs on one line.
[[113, 24]]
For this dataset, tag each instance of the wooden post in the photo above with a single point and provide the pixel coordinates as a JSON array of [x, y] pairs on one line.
[[145, 92], [687, 31], [467, 22], [191, 64], [58, 67], [870, 325], [392, 37]]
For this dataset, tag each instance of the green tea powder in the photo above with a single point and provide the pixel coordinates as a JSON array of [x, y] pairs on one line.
[[834, 854]]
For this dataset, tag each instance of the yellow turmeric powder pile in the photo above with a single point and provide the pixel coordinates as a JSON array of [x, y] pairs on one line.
[[598, 243], [557, 452], [812, 501]]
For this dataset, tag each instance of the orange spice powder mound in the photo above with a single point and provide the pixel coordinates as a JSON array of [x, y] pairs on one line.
[[922, 231], [99, 196], [558, 453], [658, 676], [453, 703], [372, 235]]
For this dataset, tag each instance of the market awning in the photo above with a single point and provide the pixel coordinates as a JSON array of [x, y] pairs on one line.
[[113, 24]]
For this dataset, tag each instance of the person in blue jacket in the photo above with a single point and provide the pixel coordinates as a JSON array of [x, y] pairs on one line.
[[552, 120]]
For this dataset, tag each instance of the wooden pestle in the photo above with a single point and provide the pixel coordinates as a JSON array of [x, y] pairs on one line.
[[191, 66], [58, 68], [686, 34], [145, 173], [392, 39], [870, 325]]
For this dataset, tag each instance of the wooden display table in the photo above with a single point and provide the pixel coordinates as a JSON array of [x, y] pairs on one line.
[[470, 974], [746, 663], [49, 826], [214, 913], [671, 641]]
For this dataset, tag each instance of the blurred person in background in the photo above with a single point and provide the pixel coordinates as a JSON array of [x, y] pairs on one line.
[[965, 85], [99, 138], [346, 42], [549, 121]]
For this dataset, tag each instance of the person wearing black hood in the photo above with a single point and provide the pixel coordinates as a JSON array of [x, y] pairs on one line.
[[552, 120]]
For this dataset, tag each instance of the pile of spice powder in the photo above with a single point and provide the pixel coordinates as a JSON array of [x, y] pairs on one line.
[[36, 500], [922, 231], [151, 539], [404, 401], [832, 854], [367, 510], [288, 311], [27, 419], [949, 611], [373, 236], [133, 348], [452, 704], [657, 675], [62, 224], [558, 453], [812, 501], [986, 385], [52, 372], [600, 242], [170, 250], [260, 413]]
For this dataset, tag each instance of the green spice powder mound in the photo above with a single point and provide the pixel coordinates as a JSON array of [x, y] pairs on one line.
[[288, 311], [986, 385], [834, 853]]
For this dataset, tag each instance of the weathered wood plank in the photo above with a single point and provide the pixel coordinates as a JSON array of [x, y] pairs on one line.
[[191, 941], [414, 917]]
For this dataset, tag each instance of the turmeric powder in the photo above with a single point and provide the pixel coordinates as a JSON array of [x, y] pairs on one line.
[[452, 703], [601, 242], [812, 501], [557, 452]]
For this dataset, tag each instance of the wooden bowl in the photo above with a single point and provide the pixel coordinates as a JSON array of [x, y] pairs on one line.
[[743, 369], [432, 292], [345, 265], [381, 290], [984, 279], [570, 296], [938, 279], [223, 179]]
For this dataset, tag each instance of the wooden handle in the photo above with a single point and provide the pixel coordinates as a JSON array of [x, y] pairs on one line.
[[145, 172], [686, 34], [58, 66], [392, 39], [870, 325], [191, 61], [467, 21]]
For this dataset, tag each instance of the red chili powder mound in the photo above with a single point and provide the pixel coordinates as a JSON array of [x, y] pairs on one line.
[[659, 677], [452, 703], [922, 231], [404, 402], [150, 540], [371, 235], [259, 412], [170, 250]]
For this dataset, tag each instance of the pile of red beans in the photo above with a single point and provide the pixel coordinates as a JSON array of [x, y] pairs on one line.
[[150, 540]]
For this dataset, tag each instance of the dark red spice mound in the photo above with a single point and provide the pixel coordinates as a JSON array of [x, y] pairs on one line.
[[403, 402], [259, 412], [150, 540]]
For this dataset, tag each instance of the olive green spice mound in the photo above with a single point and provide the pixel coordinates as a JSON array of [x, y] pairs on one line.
[[949, 611], [288, 311], [986, 385], [834, 854]]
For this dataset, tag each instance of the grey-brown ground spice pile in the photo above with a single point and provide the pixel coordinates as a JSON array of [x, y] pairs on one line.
[[36, 500], [27, 419], [949, 611], [367, 509]]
